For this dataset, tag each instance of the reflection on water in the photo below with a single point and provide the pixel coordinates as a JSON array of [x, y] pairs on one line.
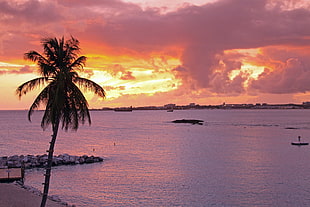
[[237, 158]]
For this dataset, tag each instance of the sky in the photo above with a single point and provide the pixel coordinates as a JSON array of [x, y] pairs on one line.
[[156, 52]]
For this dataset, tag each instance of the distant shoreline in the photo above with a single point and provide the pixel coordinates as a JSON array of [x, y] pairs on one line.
[[197, 106], [171, 107]]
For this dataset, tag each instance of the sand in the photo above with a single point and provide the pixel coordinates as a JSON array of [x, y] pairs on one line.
[[14, 196]]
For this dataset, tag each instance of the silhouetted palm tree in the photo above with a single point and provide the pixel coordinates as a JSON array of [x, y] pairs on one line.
[[65, 103]]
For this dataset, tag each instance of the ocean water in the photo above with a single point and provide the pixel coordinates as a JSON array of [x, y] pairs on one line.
[[236, 158]]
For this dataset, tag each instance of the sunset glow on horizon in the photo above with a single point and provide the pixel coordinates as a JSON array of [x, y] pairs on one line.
[[152, 53]]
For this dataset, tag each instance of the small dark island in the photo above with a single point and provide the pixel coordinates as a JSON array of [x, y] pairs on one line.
[[190, 121]]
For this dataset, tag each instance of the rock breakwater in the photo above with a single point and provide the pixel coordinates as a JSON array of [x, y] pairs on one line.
[[39, 161]]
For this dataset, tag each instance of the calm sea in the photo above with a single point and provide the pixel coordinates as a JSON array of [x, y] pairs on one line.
[[237, 158]]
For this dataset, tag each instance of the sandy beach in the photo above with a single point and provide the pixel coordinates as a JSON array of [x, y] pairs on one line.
[[15, 196]]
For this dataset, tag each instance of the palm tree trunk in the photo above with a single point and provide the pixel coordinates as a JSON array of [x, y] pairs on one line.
[[49, 164]]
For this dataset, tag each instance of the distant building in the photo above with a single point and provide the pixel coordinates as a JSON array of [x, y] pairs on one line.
[[170, 106]]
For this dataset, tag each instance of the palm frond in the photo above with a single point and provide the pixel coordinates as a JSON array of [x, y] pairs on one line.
[[76, 109], [46, 70], [35, 56], [90, 85], [79, 62], [30, 85], [72, 49], [46, 119], [70, 115], [73, 46], [45, 65], [53, 107], [41, 98], [81, 104], [51, 49]]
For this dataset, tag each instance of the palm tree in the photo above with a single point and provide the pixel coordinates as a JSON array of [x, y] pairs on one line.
[[64, 102]]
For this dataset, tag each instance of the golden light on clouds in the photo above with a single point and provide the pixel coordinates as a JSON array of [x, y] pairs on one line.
[[9, 65], [207, 52], [248, 69], [141, 81], [129, 75]]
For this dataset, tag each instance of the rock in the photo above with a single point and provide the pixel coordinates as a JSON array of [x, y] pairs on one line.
[[17, 164], [81, 160], [39, 161], [55, 198], [25, 159], [14, 158], [2, 163], [27, 165], [89, 160], [72, 159]]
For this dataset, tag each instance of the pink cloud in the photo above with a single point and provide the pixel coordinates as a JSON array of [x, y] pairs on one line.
[[23, 70], [236, 25], [290, 73], [127, 76], [108, 88], [120, 72], [203, 33], [87, 73]]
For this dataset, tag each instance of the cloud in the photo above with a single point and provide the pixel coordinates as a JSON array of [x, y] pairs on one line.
[[202, 35], [23, 24], [205, 33], [235, 24], [121, 72], [44, 12], [87, 73], [289, 72], [108, 88], [127, 76], [24, 70]]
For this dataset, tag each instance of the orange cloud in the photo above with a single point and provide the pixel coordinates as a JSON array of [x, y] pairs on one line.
[[203, 51], [15, 69]]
